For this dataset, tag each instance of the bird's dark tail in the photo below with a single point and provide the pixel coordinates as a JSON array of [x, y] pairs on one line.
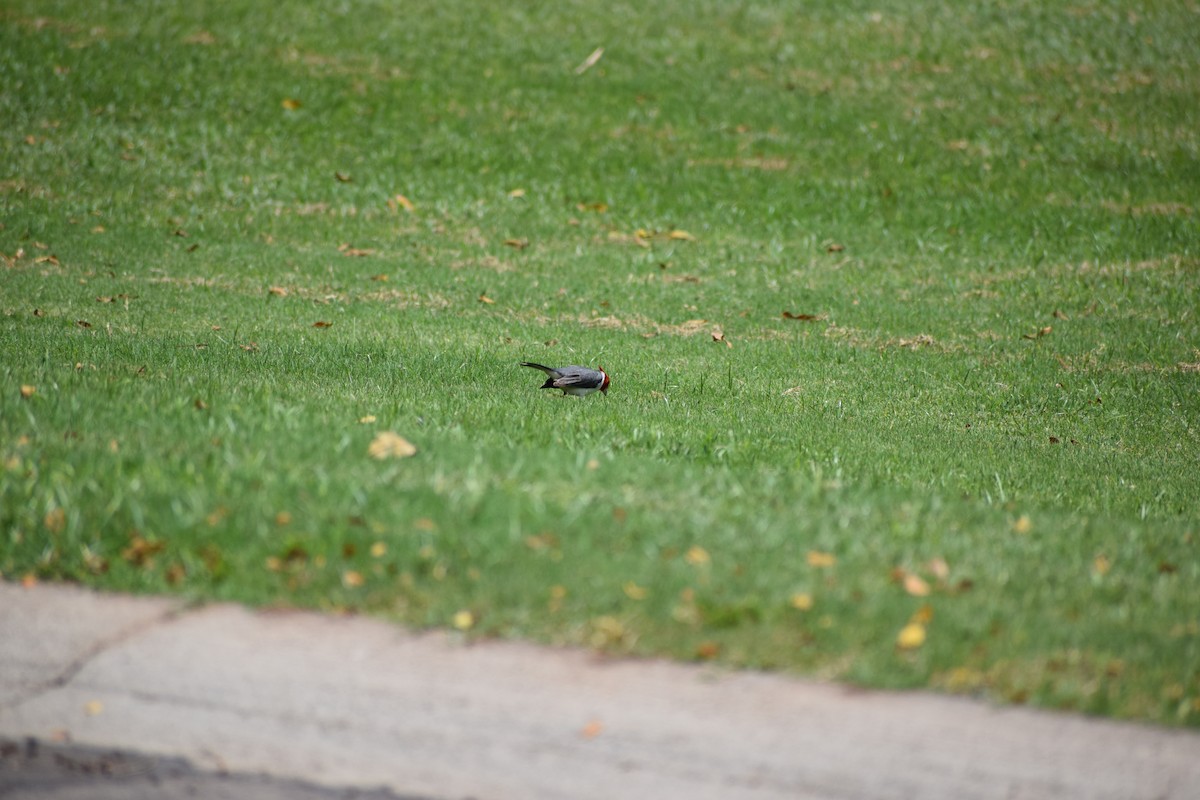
[[546, 370]]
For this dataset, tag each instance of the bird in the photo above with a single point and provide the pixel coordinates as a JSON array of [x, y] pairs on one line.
[[574, 379]]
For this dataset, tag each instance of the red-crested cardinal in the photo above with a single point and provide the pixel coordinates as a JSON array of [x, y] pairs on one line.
[[573, 379]]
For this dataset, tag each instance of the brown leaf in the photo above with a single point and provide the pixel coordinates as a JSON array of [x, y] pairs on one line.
[[519, 244], [718, 335], [180, 232], [405, 203], [141, 551], [321, 324], [200, 404], [800, 317], [291, 104], [1038, 334], [483, 298], [352, 579], [681, 236], [83, 323], [342, 177], [834, 247], [28, 391], [707, 651], [278, 291], [55, 520], [355, 252]]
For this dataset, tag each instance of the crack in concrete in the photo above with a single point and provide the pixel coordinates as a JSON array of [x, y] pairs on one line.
[[96, 649]]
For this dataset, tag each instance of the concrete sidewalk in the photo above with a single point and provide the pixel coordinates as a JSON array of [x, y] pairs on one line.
[[290, 704]]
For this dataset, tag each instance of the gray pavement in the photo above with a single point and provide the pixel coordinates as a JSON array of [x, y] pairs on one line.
[[155, 698]]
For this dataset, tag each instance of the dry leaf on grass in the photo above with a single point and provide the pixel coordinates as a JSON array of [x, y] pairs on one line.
[[390, 445]]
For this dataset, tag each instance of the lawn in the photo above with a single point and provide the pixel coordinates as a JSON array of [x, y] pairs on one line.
[[899, 302]]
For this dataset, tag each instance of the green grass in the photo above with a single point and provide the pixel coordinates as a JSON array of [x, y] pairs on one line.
[[990, 210]]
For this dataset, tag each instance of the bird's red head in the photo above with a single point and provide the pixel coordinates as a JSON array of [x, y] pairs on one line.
[[604, 386]]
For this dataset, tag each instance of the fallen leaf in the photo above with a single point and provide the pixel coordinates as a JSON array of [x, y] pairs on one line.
[[718, 335], [1038, 334], [200, 405], [342, 177], [28, 391], [800, 317], [424, 524], [592, 729], [911, 636], [923, 615], [378, 550], [515, 193], [55, 520], [93, 707], [367, 420], [390, 445], [633, 591], [290, 103], [352, 579], [483, 298], [681, 235], [939, 568], [405, 203], [818, 559], [834, 247], [1054, 440], [1023, 524], [708, 650], [915, 585], [83, 323], [519, 244], [283, 518], [697, 556], [802, 601], [463, 620], [355, 252], [321, 324], [598, 208], [1101, 565], [278, 291], [28, 580], [140, 551]]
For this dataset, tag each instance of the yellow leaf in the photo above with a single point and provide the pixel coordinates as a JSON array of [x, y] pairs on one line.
[[291, 103], [93, 707], [390, 445], [405, 203], [283, 518], [939, 568], [464, 620], [683, 235], [911, 636], [367, 420], [1101, 565], [28, 391], [819, 559], [517, 193], [378, 550], [802, 601], [352, 579], [697, 556], [915, 585], [1023, 524], [483, 298], [633, 591]]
